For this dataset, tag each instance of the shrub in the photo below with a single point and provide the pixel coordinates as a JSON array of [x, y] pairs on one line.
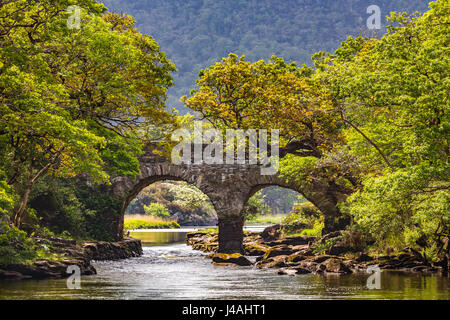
[[15, 245], [7, 197], [157, 210], [303, 216]]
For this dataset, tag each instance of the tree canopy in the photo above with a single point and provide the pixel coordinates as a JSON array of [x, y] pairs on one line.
[[71, 100]]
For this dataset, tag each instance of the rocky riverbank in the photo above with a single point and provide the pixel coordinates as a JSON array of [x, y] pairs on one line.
[[68, 253], [293, 255]]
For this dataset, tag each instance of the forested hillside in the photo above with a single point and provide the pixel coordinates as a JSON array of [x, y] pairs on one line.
[[196, 33]]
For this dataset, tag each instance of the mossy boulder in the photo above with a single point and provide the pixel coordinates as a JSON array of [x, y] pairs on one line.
[[229, 259], [334, 265], [296, 257], [293, 240], [278, 251], [274, 262], [255, 249]]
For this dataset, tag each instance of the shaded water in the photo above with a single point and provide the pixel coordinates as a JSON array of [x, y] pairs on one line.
[[175, 271]]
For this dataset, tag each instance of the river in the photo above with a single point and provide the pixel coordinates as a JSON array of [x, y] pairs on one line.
[[169, 269]]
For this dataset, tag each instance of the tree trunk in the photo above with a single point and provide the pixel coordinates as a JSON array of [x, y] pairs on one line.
[[231, 235], [31, 181], [17, 219], [445, 265], [334, 223]]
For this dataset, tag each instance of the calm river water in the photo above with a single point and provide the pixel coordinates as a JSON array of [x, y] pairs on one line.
[[169, 269]]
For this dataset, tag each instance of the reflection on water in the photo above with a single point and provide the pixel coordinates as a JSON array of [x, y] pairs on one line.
[[175, 271], [168, 236], [160, 237]]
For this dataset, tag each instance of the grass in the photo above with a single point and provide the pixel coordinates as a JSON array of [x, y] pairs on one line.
[[316, 231], [208, 230], [268, 219], [138, 221]]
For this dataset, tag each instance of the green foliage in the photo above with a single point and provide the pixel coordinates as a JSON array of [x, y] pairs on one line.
[[297, 168], [266, 219], [315, 231], [58, 208], [188, 196], [280, 200], [72, 101], [393, 94], [303, 216], [70, 207], [255, 206], [101, 212], [15, 245], [135, 224], [7, 198], [399, 209], [157, 210], [323, 246]]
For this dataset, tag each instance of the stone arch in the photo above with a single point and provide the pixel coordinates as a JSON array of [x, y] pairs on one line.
[[142, 184], [228, 187], [318, 193], [259, 187]]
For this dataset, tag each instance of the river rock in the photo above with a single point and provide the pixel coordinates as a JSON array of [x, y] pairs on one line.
[[79, 255], [124, 249], [338, 249], [12, 275], [255, 249], [278, 251], [296, 257], [293, 240], [271, 232], [334, 266], [230, 259], [321, 258], [273, 262], [305, 250], [363, 257]]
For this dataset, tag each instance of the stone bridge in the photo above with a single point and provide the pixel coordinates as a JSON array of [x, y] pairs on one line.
[[227, 186]]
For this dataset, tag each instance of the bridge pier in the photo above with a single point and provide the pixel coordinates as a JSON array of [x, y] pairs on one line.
[[231, 235]]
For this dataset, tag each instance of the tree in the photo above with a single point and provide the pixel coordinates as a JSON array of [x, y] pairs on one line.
[[281, 200], [238, 94], [189, 196], [255, 206], [157, 210], [72, 100], [393, 96]]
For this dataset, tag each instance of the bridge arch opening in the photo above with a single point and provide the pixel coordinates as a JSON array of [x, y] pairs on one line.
[[274, 204], [269, 204], [169, 200]]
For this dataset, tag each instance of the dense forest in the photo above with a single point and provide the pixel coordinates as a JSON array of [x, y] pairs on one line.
[[365, 125], [197, 33]]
